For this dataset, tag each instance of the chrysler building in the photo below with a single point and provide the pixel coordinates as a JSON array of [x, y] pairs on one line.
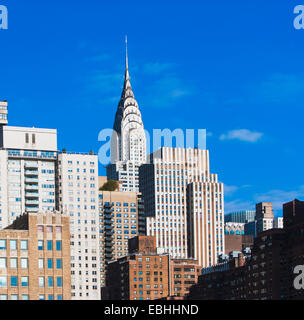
[[128, 141]]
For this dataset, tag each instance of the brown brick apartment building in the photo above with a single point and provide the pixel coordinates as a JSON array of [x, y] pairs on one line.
[[267, 274], [35, 258], [146, 274]]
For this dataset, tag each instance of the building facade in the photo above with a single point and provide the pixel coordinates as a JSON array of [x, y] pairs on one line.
[[205, 215], [234, 228], [149, 274], [237, 242], [120, 218], [3, 113], [142, 275], [264, 216], [268, 272], [77, 196], [27, 171], [193, 229], [35, 258], [240, 216]]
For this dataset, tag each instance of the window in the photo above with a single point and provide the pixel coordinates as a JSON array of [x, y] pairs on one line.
[[25, 297], [13, 244], [14, 281], [49, 245], [24, 281], [2, 244], [41, 297], [40, 263], [59, 297], [50, 263], [50, 281], [2, 263], [14, 296], [49, 229], [58, 245], [13, 263], [50, 297], [40, 244], [24, 263], [3, 296], [59, 282], [58, 229], [23, 244], [3, 282], [58, 264], [40, 228], [41, 281]]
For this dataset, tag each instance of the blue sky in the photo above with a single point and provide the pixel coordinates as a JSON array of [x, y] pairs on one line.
[[234, 68]]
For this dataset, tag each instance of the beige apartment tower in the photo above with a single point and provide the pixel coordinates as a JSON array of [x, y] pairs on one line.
[[77, 196]]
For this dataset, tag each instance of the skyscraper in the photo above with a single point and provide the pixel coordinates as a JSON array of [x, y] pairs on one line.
[[120, 216], [27, 171], [184, 204], [128, 141], [77, 195]]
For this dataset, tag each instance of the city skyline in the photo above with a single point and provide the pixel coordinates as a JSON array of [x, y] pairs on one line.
[[82, 81]]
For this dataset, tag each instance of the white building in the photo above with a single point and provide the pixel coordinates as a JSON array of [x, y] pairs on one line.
[[128, 141], [78, 197], [278, 223], [184, 204], [27, 171]]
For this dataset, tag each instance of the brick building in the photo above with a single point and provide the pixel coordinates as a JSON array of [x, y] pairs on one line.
[[142, 275], [35, 258], [237, 242], [267, 274], [148, 274]]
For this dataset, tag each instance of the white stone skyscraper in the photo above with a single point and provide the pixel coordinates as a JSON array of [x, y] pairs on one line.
[[128, 141], [184, 204]]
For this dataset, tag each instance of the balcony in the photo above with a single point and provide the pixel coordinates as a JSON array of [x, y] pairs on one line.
[[31, 165], [31, 194], [31, 173], [108, 224], [31, 180], [31, 209], [31, 202], [31, 187]]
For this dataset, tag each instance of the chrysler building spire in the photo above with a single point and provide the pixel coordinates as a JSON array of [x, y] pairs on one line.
[[127, 53], [128, 140]]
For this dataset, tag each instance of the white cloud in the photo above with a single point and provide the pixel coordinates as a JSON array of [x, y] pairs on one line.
[[156, 67], [238, 205], [165, 91], [229, 190], [278, 197], [243, 135]]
